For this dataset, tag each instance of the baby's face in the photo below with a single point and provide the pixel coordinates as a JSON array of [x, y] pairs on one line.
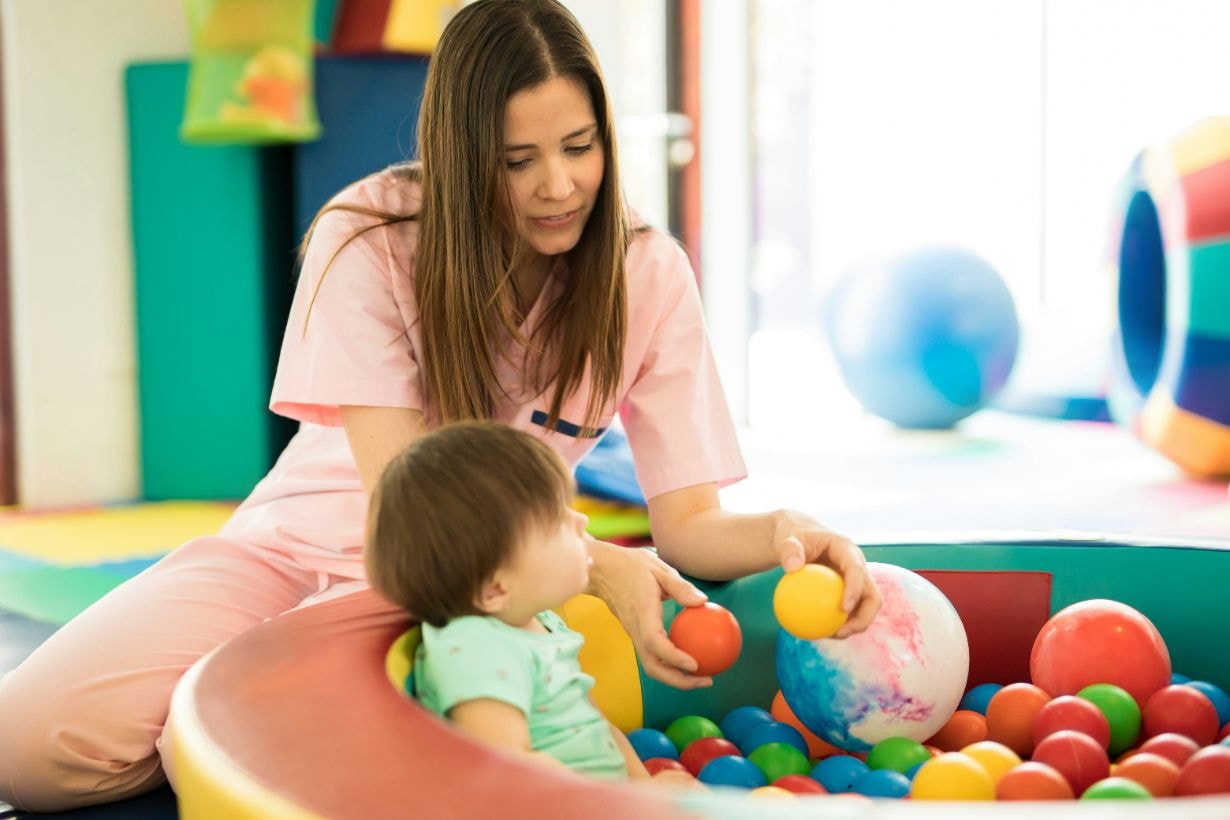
[[552, 564]]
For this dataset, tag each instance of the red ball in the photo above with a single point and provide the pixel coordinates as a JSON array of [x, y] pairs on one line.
[[1033, 781], [710, 634], [1205, 772], [657, 764], [1224, 733], [1070, 712], [1156, 773], [799, 784], [1175, 748], [1077, 757], [1100, 641], [1182, 710], [702, 750]]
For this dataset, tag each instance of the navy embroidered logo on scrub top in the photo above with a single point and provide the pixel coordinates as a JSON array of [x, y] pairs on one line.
[[565, 427]]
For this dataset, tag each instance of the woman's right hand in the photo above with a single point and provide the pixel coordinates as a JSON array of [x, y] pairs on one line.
[[633, 583]]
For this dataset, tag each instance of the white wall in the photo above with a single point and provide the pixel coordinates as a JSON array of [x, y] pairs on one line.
[[70, 257]]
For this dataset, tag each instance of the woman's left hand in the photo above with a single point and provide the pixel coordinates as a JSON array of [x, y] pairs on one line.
[[799, 539], [633, 583]]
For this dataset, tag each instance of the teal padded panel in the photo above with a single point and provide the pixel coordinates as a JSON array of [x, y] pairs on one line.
[[213, 253]]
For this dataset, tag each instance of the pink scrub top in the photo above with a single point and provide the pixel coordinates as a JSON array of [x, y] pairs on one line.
[[360, 346]]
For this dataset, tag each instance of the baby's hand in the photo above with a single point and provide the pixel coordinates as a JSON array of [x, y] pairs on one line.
[[675, 779]]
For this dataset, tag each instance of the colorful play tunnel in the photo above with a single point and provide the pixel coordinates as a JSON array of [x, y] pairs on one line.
[[237, 721]]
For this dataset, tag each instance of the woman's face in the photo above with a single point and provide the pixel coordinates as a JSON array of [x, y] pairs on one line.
[[555, 163]]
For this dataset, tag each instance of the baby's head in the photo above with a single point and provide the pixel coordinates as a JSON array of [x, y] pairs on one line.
[[475, 518]]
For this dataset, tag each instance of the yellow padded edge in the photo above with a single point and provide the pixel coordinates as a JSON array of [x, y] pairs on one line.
[[208, 784], [415, 26], [400, 658], [608, 655], [1204, 144]]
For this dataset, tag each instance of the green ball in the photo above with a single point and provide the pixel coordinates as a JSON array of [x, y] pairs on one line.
[[778, 760], [690, 728], [899, 754], [1116, 788], [1122, 713]]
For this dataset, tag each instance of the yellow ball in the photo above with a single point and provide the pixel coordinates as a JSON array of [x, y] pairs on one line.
[[952, 776], [996, 758], [807, 602], [772, 793]]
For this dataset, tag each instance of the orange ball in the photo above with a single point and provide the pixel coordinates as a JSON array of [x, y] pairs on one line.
[[817, 747], [1033, 781], [710, 634], [1156, 773], [964, 728], [1011, 714]]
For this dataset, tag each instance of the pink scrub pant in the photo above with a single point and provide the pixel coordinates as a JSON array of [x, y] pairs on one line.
[[81, 720]]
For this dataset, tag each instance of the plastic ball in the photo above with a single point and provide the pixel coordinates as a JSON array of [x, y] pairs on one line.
[[1121, 711], [1116, 788], [710, 634], [1224, 734], [1217, 696], [1071, 712], [1183, 710], [903, 676], [742, 720], [779, 759], [1079, 758], [976, 699], [702, 750], [732, 771], [1157, 774], [1033, 781], [807, 602], [924, 338], [1205, 772], [1175, 677], [996, 758], [658, 764], [952, 776], [684, 731], [799, 784], [773, 732], [963, 728], [883, 783], [1174, 747], [839, 773], [650, 743], [1011, 714], [898, 754], [816, 746], [1100, 641]]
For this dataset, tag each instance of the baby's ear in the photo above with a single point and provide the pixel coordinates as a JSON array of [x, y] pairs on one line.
[[492, 596]]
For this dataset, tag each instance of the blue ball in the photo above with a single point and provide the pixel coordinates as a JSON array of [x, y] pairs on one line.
[[741, 721], [650, 743], [773, 732], [1177, 679], [913, 770], [729, 770], [976, 699], [924, 338], [883, 783], [1217, 696], [839, 773]]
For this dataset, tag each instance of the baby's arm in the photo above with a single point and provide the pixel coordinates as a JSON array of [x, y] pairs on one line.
[[636, 769], [493, 721]]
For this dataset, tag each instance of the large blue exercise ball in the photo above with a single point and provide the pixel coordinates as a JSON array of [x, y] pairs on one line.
[[923, 338]]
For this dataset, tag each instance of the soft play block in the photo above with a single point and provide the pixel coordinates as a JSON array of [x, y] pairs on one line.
[[414, 26], [369, 109], [213, 255], [360, 27]]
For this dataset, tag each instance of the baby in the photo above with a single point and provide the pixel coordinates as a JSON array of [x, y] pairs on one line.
[[471, 530]]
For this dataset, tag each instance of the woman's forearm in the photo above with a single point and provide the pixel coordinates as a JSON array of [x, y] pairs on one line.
[[718, 545]]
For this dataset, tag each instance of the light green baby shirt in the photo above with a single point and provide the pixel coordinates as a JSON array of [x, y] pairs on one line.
[[476, 657]]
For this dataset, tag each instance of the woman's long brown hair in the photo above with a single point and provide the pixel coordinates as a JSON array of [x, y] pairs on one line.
[[468, 252]]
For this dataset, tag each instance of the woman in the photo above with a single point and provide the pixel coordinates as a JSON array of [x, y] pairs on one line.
[[499, 278]]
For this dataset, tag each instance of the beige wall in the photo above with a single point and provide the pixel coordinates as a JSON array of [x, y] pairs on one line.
[[70, 258]]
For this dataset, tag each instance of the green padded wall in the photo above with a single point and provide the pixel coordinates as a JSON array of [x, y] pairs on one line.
[[213, 255]]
